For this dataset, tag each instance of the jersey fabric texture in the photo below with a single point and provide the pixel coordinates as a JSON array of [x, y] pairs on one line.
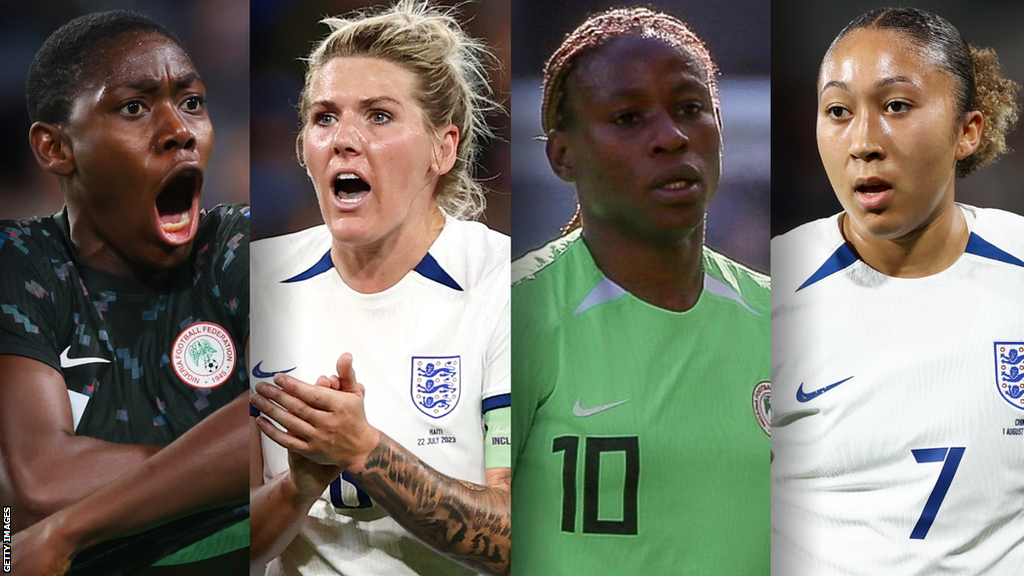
[[899, 410], [636, 443], [433, 354], [113, 338]]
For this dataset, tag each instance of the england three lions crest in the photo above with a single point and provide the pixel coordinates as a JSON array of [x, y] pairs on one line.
[[1010, 372], [436, 384]]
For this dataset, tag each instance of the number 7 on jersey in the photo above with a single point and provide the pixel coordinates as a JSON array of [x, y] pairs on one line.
[[951, 458]]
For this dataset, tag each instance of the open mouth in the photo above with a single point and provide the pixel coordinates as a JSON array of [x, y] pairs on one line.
[[175, 203], [872, 193], [350, 187], [873, 189]]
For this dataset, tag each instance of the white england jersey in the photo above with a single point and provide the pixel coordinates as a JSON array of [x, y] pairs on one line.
[[433, 354], [898, 408]]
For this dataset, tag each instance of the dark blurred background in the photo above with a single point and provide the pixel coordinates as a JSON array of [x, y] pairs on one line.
[[284, 31], [739, 37], [216, 35], [803, 31]]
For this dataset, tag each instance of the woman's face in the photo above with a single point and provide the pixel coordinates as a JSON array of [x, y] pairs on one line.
[[642, 141], [141, 138], [888, 132], [371, 157]]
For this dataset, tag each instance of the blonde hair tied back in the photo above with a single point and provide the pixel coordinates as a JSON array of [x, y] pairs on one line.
[[452, 74]]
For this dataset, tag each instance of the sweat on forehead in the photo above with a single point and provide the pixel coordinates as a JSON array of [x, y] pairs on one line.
[[71, 56], [600, 29]]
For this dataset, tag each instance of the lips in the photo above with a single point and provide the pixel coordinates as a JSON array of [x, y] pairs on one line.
[[680, 185], [177, 205], [872, 193]]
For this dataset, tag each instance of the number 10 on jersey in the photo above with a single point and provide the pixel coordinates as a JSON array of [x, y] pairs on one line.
[[629, 446]]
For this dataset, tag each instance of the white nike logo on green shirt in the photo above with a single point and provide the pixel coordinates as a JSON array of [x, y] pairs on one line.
[[581, 412]]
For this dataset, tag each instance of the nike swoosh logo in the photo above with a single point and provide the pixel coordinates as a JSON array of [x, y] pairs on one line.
[[261, 374], [802, 396], [579, 411], [66, 362]]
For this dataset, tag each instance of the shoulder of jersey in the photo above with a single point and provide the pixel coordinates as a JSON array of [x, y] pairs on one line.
[[731, 279], [799, 253], [1002, 229], [227, 212], [273, 260], [37, 239], [225, 228], [234, 218], [533, 264], [473, 254]]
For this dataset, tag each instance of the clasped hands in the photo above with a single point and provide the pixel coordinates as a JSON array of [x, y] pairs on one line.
[[325, 423]]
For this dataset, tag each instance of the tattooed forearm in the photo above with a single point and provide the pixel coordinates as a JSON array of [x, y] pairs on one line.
[[467, 522]]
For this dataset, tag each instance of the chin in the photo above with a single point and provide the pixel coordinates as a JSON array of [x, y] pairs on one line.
[[350, 231], [881, 226], [170, 256]]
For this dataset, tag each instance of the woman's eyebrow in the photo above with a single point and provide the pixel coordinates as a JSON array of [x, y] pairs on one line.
[[880, 84], [834, 84], [151, 84], [376, 100], [894, 80]]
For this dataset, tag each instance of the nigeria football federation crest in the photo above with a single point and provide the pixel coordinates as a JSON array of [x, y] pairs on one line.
[[762, 400], [203, 355], [436, 384], [1010, 372]]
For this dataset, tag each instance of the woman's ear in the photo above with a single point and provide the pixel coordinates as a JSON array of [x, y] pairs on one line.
[[52, 148], [447, 150], [560, 155], [969, 136]]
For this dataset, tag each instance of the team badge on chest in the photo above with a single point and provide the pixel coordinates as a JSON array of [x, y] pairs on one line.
[[1010, 372], [203, 355], [436, 385]]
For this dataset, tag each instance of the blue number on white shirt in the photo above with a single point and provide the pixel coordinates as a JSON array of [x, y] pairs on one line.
[[364, 498], [952, 457]]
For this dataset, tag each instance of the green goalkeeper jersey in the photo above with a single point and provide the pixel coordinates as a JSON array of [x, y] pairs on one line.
[[641, 436]]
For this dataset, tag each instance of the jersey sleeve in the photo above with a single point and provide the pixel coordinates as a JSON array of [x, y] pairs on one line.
[[28, 303], [496, 388], [532, 374], [497, 397], [231, 262]]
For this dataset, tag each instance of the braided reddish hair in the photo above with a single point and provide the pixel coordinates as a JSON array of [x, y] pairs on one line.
[[601, 28]]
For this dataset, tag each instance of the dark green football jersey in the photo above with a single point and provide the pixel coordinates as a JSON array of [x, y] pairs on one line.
[[143, 361], [641, 435]]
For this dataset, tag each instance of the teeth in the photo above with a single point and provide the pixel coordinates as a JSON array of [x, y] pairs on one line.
[[346, 199], [677, 185], [178, 226], [349, 187]]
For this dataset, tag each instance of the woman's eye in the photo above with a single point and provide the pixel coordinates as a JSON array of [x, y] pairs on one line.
[[132, 108], [626, 118], [193, 103], [380, 117], [837, 112], [691, 108], [897, 106], [323, 119]]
